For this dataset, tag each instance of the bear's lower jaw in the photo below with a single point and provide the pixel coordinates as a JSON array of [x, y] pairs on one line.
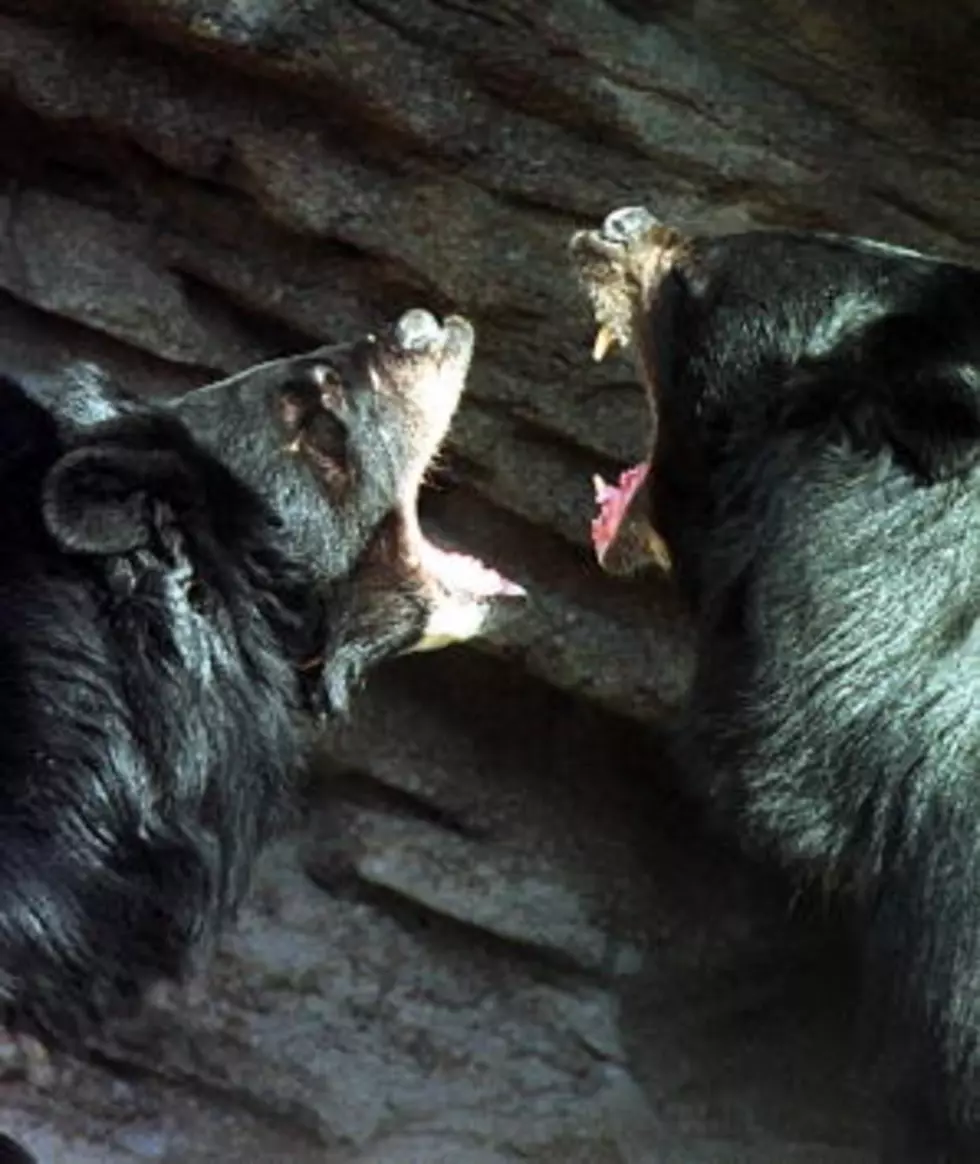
[[466, 596]]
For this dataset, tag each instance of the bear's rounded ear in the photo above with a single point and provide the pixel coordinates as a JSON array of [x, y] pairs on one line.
[[109, 499]]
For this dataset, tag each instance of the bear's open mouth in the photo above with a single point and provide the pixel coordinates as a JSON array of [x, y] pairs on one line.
[[417, 339], [613, 503], [465, 595], [430, 360], [617, 265]]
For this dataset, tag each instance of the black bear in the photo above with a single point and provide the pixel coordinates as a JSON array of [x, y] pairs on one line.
[[813, 487], [182, 585]]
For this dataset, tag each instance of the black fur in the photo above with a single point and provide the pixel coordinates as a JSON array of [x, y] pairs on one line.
[[177, 592], [817, 478]]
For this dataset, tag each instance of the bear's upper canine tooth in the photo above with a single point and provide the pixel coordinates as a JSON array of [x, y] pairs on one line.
[[605, 341]]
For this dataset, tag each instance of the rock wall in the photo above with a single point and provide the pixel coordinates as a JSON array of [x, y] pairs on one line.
[[499, 939]]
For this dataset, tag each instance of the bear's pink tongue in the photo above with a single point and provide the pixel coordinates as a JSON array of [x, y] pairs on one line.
[[614, 502]]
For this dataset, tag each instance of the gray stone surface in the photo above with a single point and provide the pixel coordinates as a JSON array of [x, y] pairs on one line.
[[498, 936]]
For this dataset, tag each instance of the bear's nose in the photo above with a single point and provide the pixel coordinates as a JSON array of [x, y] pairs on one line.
[[623, 225], [417, 330]]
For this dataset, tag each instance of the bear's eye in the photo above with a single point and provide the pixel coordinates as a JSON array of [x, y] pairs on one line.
[[327, 434], [312, 406], [329, 381], [298, 401]]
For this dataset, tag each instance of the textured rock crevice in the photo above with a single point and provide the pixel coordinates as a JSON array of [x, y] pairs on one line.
[[498, 937]]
